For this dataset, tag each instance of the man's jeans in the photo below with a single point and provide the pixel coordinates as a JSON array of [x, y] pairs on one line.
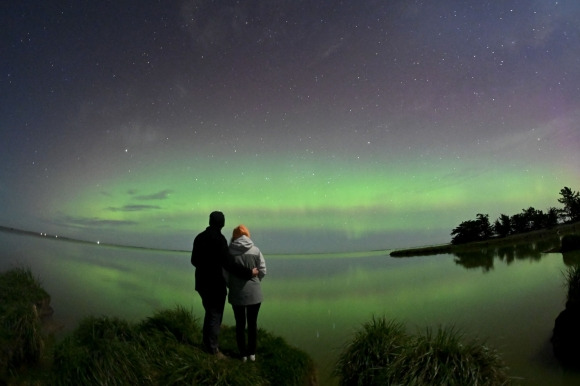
[[212, 321]]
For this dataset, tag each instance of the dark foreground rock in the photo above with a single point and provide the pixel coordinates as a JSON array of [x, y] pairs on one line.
[[566, 336], [570, 243]]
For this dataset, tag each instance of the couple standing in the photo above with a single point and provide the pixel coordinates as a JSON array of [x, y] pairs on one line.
[[240, 267]]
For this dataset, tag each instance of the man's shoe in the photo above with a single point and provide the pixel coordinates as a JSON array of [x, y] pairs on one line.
[[252, 358]]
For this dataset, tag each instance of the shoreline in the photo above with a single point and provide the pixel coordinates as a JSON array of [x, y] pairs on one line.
[[556, 232], [428, 250]]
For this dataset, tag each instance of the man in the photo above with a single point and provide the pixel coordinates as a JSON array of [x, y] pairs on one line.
[[209, 255]]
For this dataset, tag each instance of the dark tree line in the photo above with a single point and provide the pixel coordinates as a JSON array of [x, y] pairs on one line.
[[530, 219]]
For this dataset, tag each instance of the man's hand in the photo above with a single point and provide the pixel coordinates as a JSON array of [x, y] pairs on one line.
[[255, 272]]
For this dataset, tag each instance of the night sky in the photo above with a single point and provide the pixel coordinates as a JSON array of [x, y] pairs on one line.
[[321, 125]]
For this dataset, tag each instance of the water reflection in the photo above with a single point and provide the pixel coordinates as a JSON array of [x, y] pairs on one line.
[[485, 257], [316, 301]]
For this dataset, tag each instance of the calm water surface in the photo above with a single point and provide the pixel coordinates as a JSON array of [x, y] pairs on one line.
[[509, 297]]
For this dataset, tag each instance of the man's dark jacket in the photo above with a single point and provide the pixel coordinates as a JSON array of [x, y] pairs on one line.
[[209, 255]]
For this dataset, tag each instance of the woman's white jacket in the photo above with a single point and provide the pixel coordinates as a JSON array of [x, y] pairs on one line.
[[244, 292]]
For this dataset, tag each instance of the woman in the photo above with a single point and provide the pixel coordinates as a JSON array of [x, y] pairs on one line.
[[245, 296]]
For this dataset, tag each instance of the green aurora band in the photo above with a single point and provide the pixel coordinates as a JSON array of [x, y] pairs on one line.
[[303, 195]]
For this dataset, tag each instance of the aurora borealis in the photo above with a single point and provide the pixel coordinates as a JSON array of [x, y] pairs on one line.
[[322, 126]]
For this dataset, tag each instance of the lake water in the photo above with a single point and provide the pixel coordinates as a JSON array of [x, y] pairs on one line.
[[510, 297]]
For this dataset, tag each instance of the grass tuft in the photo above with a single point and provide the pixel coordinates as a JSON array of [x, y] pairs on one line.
[[22, 339], [280, 363], [572, 278], [179, 323], [101, 350], [383, 354], [372, 350]]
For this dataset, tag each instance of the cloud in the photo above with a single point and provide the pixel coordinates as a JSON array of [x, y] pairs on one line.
[[162, 195], [95, 222], [133, 208]]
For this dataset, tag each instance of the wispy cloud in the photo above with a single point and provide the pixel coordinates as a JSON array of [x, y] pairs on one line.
[[133, 208], [161, 195], [95, 222]]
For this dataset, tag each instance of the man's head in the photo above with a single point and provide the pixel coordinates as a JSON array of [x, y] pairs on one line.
[[217, 219]]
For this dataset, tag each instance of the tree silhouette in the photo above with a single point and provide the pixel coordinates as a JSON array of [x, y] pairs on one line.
[[520, 223], [571, 201], [527, 220], [472, 230], [502, 226]]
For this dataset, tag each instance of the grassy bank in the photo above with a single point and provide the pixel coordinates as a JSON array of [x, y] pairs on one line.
[[544, 235], [163, 349], [166, 349]]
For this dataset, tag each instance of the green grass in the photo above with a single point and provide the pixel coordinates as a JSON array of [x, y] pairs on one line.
[[22, 339], [101, 350], [178, 324], [382, 353], [372, 351], [572, 278], [279, 362], [166, 349]]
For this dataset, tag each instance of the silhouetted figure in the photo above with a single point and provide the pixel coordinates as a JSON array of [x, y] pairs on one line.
[[245, 296], [210, 256]]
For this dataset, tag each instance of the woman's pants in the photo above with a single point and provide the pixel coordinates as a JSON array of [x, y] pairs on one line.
[[249, 314]]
